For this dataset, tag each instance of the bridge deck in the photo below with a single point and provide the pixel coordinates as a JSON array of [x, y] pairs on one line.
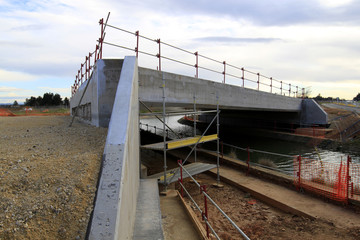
[[178, 143]]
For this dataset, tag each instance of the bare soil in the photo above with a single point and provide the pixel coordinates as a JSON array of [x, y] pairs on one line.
[[258, 220], [48, 176]]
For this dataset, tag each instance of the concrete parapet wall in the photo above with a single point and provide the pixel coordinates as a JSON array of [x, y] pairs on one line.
[[180, 91], [97, 103], [115, 206]]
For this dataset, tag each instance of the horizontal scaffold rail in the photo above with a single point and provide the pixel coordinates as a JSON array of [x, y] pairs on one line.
[[193, 169], [177, 113], [179, 143]]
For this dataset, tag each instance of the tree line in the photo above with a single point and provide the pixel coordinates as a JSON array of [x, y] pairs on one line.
[[320, 98], [48, 99]]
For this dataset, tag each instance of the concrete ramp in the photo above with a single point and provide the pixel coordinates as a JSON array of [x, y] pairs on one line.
[[148, 214]]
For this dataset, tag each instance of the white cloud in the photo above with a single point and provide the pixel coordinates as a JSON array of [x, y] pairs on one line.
[[10, 76], [334, 3]]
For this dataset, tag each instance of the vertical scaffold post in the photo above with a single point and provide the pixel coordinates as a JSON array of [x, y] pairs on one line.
[[164, 130], [159, 54], [243, 77], [197, 64], [258, 81], [194, 120], [205, 213], [217, 141], [224, 72], [348, 178], [137, 44], [181, 177], [298, 187]]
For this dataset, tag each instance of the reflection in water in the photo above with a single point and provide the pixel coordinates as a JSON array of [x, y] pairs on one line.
[[283, 163]]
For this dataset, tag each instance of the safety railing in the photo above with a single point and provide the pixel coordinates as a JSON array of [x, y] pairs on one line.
[[86, 69], [204, 212], [262, 158], [239, 75]]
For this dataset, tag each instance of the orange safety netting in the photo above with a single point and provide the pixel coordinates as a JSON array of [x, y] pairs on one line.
[[324, 178], [6, 112]]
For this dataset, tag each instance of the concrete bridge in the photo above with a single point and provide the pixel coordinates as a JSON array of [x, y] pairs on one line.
[[111, 99]]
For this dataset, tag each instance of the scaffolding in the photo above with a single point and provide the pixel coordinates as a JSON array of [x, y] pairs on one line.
[[168, 176]]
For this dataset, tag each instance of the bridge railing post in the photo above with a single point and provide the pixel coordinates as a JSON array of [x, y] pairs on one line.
[[137, 44], [197, 64], [258, 81], [289, 90], [159, 54], [224, 73], [243, 77]]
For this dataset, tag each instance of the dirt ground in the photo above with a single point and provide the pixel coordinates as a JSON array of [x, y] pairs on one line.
[[48, 176], [258, 220]]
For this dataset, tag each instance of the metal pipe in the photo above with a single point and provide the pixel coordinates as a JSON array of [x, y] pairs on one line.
[[194, 120], [137, 44], [227, 217], [164, 128], [217, 141], [178, 113], [197, 65], [159, 118]]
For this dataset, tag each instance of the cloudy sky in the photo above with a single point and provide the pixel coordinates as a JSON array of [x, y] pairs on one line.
[[313, 44]]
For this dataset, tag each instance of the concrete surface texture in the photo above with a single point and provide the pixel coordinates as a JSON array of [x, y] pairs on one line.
[[97, 103], [312, 113], [180, 90], [115, 206], [148, 215]]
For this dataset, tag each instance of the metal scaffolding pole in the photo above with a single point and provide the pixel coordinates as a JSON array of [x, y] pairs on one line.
[[164, 129], [217, 141], [194, 119]]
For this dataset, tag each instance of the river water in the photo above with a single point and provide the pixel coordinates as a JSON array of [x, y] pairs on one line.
[[279, 154]]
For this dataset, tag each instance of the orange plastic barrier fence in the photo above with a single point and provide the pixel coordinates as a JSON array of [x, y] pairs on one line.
[[324, 178]]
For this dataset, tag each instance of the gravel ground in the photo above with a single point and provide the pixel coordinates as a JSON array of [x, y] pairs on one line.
[[258, 220], [48, 176]]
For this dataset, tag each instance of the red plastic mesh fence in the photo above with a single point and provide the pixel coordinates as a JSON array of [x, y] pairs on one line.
[[324, 178]]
